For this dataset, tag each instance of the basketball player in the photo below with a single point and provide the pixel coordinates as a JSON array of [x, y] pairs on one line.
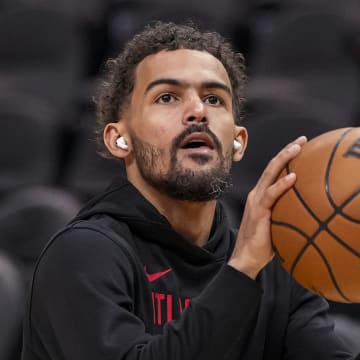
[[150, 269]]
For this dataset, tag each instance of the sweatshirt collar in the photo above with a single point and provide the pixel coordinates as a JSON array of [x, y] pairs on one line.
[[124, 202]]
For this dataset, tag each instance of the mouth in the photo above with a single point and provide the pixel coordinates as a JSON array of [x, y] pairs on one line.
[[197, 140]]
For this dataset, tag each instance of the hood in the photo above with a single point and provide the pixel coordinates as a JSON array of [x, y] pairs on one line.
[[123, 202]]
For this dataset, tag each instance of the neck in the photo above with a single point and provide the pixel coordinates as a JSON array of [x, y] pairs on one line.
[[192, 220]]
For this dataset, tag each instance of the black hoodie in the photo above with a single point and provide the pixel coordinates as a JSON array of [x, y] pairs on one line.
[[119, 283]]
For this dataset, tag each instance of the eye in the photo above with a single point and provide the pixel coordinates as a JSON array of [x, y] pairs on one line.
[[166, 99], [213, 100]]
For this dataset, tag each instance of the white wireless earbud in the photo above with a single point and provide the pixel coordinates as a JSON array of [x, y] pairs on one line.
[[237, 145], [121, 143]]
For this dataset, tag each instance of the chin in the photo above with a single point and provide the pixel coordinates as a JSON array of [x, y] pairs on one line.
[[201, 159]]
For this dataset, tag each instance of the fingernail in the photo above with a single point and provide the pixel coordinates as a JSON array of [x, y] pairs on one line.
[[302, 138], [290, 176]]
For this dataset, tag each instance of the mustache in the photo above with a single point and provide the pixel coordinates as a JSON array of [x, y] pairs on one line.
[[203, 128]]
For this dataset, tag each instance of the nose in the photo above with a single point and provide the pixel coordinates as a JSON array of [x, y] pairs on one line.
[[195, 111]]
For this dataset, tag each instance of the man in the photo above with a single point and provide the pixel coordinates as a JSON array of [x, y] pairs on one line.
[[150, 268]]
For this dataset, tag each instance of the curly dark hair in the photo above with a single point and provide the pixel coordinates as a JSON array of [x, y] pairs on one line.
[[114, 93]]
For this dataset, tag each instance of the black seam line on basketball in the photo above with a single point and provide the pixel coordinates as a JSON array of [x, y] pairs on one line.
[[347, 216], [330, 273], [336, 238], [297, 193], [328, 167], [308, 241], [298, 257], [345, 202], [319, 223], [324, 226], [301, 199]]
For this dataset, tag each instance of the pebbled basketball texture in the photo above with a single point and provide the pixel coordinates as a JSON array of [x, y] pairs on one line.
[[315, 225]]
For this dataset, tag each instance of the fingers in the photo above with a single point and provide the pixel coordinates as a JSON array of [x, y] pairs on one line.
[[277, 189], [278, 163], [253, 249]]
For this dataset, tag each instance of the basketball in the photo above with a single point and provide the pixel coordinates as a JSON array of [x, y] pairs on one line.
[[315, 225]]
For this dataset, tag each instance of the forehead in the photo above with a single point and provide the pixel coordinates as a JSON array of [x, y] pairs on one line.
[[192, 66]]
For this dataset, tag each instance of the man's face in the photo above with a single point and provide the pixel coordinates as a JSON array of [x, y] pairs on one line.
[[181, 126]]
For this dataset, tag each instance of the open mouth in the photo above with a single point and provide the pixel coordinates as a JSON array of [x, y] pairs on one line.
[[196, 141]]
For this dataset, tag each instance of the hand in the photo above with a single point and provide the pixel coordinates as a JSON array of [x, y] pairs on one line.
[[253, 248]]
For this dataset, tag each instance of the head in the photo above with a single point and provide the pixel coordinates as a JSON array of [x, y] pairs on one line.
[[175, 95]]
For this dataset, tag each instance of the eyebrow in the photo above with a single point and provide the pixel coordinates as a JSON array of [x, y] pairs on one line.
[[170, 81]]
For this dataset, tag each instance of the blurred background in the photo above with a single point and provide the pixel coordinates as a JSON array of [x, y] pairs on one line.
[[303, 60]]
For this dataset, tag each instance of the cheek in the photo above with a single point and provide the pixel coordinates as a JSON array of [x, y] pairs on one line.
[[227, 140], [224, 129], [158, 128]]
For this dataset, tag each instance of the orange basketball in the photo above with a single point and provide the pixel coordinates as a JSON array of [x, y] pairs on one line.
[[316, 224]]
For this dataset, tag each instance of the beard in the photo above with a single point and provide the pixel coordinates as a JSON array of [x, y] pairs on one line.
[[179, 182]]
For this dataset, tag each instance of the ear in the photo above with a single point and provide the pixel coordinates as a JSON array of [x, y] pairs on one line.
[[112, 132], [240, 135]]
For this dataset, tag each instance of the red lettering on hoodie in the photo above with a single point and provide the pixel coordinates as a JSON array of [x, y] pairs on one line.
[[167, 307]]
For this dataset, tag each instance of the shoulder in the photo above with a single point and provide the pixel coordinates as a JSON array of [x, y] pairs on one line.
[[91, 236], [84, 267], [86, 247]]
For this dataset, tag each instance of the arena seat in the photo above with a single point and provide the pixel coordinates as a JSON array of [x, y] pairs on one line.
[[39, 58], [28, 142], [312, 47], [29, 217]]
